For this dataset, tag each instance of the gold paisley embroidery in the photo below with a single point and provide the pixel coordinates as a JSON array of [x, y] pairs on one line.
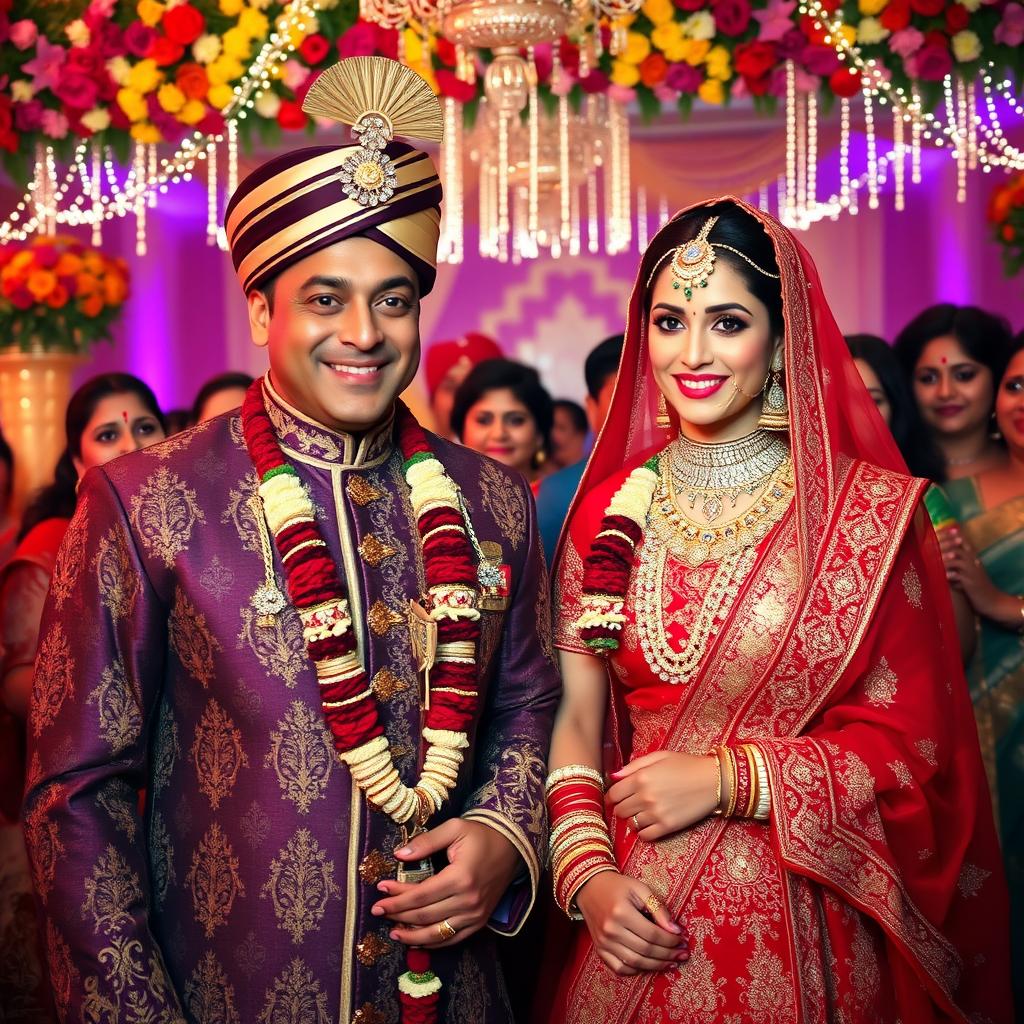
[[769, 992], [54, 679], [302, 755], [928, 749], [214, 880], [279, 647], [217, 579], [42, 838], [161, 859], [504, 500], [241, 512], [71, 556], [880, 684], [191, 639], [165, 749], [63, 973], [254, 825], [208, 996], [545, 628], [295, 998], [177, 442], [164, 513], [120, 801], [116, 578], [119, 704], [912, 587], [111, 893], [217, 753], [300, 884]]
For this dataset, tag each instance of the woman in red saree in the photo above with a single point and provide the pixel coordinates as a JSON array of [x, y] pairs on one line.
[[769, 590]]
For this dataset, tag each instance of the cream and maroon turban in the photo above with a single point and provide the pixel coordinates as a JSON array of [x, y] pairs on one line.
[[304, 201]]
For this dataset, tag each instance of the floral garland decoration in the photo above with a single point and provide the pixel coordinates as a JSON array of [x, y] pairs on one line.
[[607, 567], [349, 707], [1006, 215]]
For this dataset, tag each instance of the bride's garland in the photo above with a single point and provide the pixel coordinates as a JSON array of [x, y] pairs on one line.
[[349, 706], [607, 567]]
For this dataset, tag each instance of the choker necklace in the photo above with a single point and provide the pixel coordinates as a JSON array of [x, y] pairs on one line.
[[718, 473]]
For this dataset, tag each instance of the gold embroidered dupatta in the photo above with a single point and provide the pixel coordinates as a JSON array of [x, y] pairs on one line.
[[800, 668]]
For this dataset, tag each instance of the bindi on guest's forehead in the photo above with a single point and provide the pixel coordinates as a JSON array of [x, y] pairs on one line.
[[943, 360], [124, 416]]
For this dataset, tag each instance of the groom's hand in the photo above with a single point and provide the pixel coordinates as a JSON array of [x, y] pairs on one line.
[[481, 865]]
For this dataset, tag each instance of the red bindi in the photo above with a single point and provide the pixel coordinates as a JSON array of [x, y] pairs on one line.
[[124, 416], [943, 360]]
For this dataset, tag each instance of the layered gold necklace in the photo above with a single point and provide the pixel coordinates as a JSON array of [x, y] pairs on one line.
[[732, 545]]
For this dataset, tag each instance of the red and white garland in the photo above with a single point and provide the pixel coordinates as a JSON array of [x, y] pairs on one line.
[[349, 706]]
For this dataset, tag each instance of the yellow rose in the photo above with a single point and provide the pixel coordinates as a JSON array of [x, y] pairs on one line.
[[253, 23], [849, 33], [966, 46], [413, 48], [695, 51], [658, 11], [667, 36], [220, 96], [192, 113], [224, 69], [638, 47], [143, 131], [132, 103], [870, 31], [97, 119], [145, 76], [872, 7], [150, 12], [297, 35], [170, 98], [625, 74], [712, 91], [237, 44], [232, 8], [718, 65]]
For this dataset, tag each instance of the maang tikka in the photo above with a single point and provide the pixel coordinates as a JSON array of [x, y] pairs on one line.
[[693, 262]]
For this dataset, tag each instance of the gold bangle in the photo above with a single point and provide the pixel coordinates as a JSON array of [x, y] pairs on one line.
[[718, 780], [748, 811], [574, 773], [733, 776], [723, 769]]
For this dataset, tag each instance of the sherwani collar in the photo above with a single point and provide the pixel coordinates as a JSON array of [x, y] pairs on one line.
[[312, 442]]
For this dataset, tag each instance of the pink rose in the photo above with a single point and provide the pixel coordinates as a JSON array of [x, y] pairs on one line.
[[78, 91], [623, 94], [294, 74], [731, 16], [1010, 31], [102, 8], [55, 124], [24, 33], [28, 117], [138, 38], [596, 82], [359, 41], [820, 60], [684, 77], [932, 62], [906, 42]]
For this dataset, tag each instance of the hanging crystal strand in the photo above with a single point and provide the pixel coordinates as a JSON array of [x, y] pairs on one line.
[[869, 129], [232, 182], [762, 198], [627, 189], [844, 153], [96, 194], [574, 221], [915, 139], [503, 219], [781, 196], [961, 142], [786, 212], [517, 234], [151, 175], [534, 116], [563, 168], [593, 213], [641, 219], [483, 199], [972, 129], [38, 188], [812, 154], [900, 154], [452, 162], [801, 160], [211, 193], [139, 186]]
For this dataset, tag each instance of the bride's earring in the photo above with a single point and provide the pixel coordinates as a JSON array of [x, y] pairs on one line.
[[662, 419], [775, 411]]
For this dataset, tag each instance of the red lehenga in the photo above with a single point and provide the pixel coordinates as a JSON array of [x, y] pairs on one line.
[[874, 893]]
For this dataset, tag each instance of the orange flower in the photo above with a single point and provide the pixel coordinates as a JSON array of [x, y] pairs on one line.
[[68, 265], [41, 283], [92, 261], [92, 305], [653, 70], [87, 284], [115, 288], [58, 297], [192, 81]]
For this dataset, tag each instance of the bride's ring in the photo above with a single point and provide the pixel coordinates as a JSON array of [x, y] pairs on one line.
[[636, 824]]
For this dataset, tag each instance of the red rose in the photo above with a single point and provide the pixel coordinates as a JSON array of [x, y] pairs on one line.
[[183, 24], [753, 60], [192, 81], [314, 48], [845, 82], [933, 63], [957, 19], [290, 116], [570, 56], [814, 30], [594, 83], [138, 38], [86, 60], [653, 70], [387, 41], [449, 84], [212, 123], [927, 8], [166, 51], [46, 256], [936, 37], [76, 90], [731, 16], [896, 15], [446, 52], [691, 5], [359, 41]]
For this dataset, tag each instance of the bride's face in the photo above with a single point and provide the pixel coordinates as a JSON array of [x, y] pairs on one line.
[[710, 354]]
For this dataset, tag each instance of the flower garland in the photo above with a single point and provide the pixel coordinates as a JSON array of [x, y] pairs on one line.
[[1006, 215], [350, 709], [607, 568]]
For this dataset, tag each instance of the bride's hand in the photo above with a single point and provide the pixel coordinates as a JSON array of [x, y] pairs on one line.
[[627, 941], [665, 792]]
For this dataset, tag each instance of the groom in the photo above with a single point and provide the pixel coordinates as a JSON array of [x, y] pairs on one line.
[[192, 649]]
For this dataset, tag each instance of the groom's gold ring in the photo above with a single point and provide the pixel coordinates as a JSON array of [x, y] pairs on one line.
[[653, 905], [446, 930]]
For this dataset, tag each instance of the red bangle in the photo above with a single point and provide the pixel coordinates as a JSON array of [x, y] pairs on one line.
[[743, 781]]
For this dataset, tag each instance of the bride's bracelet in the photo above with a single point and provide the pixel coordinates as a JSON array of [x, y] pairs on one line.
[[742, 788], [580, 845]]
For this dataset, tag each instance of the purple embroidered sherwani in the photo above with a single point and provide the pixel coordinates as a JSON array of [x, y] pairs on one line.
[[242, 893]]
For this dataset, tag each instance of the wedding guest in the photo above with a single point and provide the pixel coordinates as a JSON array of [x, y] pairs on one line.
[[502, 410], [220, 394], [954, 356], [447, 364], [568, 434]]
